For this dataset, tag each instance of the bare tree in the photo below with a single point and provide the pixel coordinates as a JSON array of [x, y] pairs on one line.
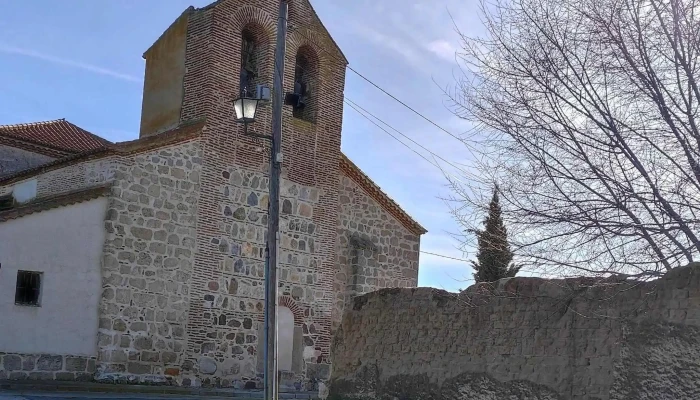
[[588, 117]]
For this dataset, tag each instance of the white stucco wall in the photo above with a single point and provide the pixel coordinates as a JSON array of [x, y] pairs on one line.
[[66, 245]]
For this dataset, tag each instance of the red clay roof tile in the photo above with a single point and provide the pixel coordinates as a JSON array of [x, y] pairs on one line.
[[59, 134]]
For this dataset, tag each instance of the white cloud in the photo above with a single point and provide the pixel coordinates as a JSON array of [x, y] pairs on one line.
[[443, 49], [394, 43], [69, 63]]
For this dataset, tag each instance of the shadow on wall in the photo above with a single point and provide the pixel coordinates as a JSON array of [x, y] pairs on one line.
[[525, 338]]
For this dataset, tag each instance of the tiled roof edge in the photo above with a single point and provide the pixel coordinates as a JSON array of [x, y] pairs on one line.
[[51, 202], [354, 172]]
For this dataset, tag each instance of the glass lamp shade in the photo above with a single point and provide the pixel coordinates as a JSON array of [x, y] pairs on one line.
[[245, 109]]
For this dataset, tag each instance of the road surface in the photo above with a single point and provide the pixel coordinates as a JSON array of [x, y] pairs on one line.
[[29, 395]]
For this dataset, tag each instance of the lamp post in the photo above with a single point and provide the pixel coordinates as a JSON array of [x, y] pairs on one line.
[[245, 108]]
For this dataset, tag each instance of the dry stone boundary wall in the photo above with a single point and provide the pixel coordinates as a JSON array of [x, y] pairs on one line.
[[525, 338]]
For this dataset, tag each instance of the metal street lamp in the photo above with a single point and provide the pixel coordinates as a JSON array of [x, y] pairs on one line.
[[245, 108]]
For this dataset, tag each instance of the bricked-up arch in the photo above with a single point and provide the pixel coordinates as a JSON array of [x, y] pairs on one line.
[[255, 52], [286, 301], [298, 311], [306, 76]]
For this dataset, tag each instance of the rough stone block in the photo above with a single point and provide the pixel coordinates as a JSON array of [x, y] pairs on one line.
[[208, 347], [119, 325], [29, 363], [49, 363], [138, 327], [143, 343], [41, 376], [65, 376], [91, 365], [12, 362], [150, 356], [138, 368], [141, 233], [18, 376], [84, 376], [207, 366], [76, 364], [169, 357]]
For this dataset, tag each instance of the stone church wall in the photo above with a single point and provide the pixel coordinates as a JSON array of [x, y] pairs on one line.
[[375, 250], [235, 300], [527, 338], [147, 267]]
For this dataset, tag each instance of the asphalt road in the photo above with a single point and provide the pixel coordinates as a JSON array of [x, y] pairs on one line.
[[26, 395]]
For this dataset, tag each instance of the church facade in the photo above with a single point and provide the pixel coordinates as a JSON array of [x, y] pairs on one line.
[[143, 261]]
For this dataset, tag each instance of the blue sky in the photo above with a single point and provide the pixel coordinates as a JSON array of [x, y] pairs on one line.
[[81, 60]]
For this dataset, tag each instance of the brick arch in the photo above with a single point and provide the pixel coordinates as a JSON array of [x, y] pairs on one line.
[[316, 47], [263, 51], [305, 37], [307, 70], [249, 14], [291, 304], [261, 27]]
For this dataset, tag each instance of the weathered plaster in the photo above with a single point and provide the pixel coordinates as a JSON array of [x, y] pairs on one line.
[[65, 244]]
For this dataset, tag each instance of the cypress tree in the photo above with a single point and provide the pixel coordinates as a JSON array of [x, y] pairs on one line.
[[494, 257]]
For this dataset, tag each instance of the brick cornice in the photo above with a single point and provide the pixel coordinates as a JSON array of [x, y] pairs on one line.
[[354, 172]]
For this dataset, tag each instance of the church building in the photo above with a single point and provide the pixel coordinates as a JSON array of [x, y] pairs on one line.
[[143, 261]]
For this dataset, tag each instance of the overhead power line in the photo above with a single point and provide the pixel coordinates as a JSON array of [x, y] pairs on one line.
[[392, 135], [352, 103], [442, 256], [402, 103], [386, 92]]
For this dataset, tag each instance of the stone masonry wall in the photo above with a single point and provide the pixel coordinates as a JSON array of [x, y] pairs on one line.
[[148, 264], [374, 250], [525, 338], [235, 301], [46, 367]]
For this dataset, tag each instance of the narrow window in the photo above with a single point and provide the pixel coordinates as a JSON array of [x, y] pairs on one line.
[[28, 288], [6, 202], [249, 67], [305, 76], [254, 65]]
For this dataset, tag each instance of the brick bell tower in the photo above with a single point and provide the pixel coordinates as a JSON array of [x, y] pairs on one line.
[[194, 71]]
